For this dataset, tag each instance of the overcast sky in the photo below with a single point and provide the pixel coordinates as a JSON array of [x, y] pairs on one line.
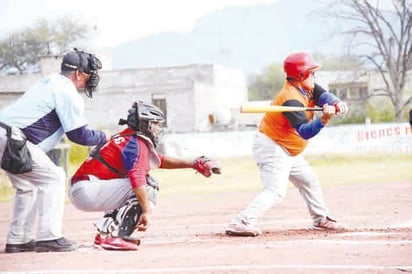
[[116, 21]]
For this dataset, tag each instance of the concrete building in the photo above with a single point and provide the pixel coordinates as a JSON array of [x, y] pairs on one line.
[[195, 98], [357, 86]]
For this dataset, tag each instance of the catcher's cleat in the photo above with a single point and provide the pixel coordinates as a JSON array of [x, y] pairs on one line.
[[98, 240], [328, 224], [113, 243], [131, 239], [243, 229]]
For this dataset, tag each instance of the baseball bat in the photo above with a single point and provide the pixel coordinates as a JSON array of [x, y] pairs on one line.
[[271, 108]]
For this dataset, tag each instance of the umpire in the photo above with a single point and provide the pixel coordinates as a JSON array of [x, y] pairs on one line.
[[36, 122]]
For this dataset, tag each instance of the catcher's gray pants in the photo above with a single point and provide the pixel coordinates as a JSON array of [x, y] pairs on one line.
[[276, 168], [100, 195], [108, 195], [40, 191], [104, 195]]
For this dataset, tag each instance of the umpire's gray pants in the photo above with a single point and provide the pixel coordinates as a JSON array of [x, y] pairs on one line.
[[40, 191]]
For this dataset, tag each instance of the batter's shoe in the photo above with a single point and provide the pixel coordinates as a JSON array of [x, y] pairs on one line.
[[16, 248], [57, 245], [243, 229], [115, 243], [328, 224]]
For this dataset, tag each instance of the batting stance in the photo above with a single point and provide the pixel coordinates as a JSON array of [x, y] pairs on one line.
[[280, 141], [115, 178]]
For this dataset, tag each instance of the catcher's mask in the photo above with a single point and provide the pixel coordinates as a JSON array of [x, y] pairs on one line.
[[84, 62], [145, 119]]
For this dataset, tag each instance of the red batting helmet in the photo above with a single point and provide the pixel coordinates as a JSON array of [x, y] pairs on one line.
[[298, 65]]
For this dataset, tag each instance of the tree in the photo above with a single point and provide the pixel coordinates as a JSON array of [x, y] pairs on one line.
[[23, 49], [338, 62], [19, 50], [382, 36], [265, 85], [68, 31]]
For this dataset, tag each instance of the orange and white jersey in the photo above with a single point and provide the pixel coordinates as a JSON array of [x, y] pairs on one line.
[[282, 127]]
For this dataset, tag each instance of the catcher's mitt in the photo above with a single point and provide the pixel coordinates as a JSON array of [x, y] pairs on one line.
[[206, 166]]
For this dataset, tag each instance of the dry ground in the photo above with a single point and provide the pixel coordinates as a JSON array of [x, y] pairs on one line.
[[187, 236]]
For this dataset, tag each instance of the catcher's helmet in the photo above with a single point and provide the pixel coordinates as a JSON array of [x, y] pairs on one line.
[[298, 65], [141, 117]]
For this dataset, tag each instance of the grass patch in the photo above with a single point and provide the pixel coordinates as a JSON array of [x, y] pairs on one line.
[[241, 174], [238, 174], [355, 169], [6, 189]]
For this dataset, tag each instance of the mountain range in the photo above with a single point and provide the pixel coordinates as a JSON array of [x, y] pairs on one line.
[[249, 38]]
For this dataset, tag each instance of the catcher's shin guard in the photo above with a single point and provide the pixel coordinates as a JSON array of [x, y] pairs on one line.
[[120, 222], [129, 221]]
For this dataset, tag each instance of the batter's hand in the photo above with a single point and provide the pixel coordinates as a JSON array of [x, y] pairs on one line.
[[341, 107], [143, 222], [328, 113]]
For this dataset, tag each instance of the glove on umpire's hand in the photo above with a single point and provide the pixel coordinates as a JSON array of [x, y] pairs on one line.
[[206, 166]]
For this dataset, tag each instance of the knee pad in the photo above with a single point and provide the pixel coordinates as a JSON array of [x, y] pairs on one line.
[[121, 222]]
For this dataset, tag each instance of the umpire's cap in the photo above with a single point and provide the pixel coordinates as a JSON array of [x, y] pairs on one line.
[[80, 60]]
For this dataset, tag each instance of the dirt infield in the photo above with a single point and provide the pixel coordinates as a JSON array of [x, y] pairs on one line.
[[187, 236]]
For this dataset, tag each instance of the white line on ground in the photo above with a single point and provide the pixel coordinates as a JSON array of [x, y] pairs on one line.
[[220, 268], [283, 242], [229, 241]]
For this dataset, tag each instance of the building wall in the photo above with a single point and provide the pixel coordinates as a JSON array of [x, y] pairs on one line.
[[191, 92], [364, 139], [372, 80]]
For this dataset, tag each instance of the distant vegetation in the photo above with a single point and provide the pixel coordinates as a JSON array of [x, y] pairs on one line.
[[21, 50], [381, 36], [380, 39], [265, 85]]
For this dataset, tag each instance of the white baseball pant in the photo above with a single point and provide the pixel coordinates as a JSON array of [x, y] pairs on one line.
[[277, 167]]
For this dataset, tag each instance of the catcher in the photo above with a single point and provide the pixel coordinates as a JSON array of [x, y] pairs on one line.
[[115, 178]]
